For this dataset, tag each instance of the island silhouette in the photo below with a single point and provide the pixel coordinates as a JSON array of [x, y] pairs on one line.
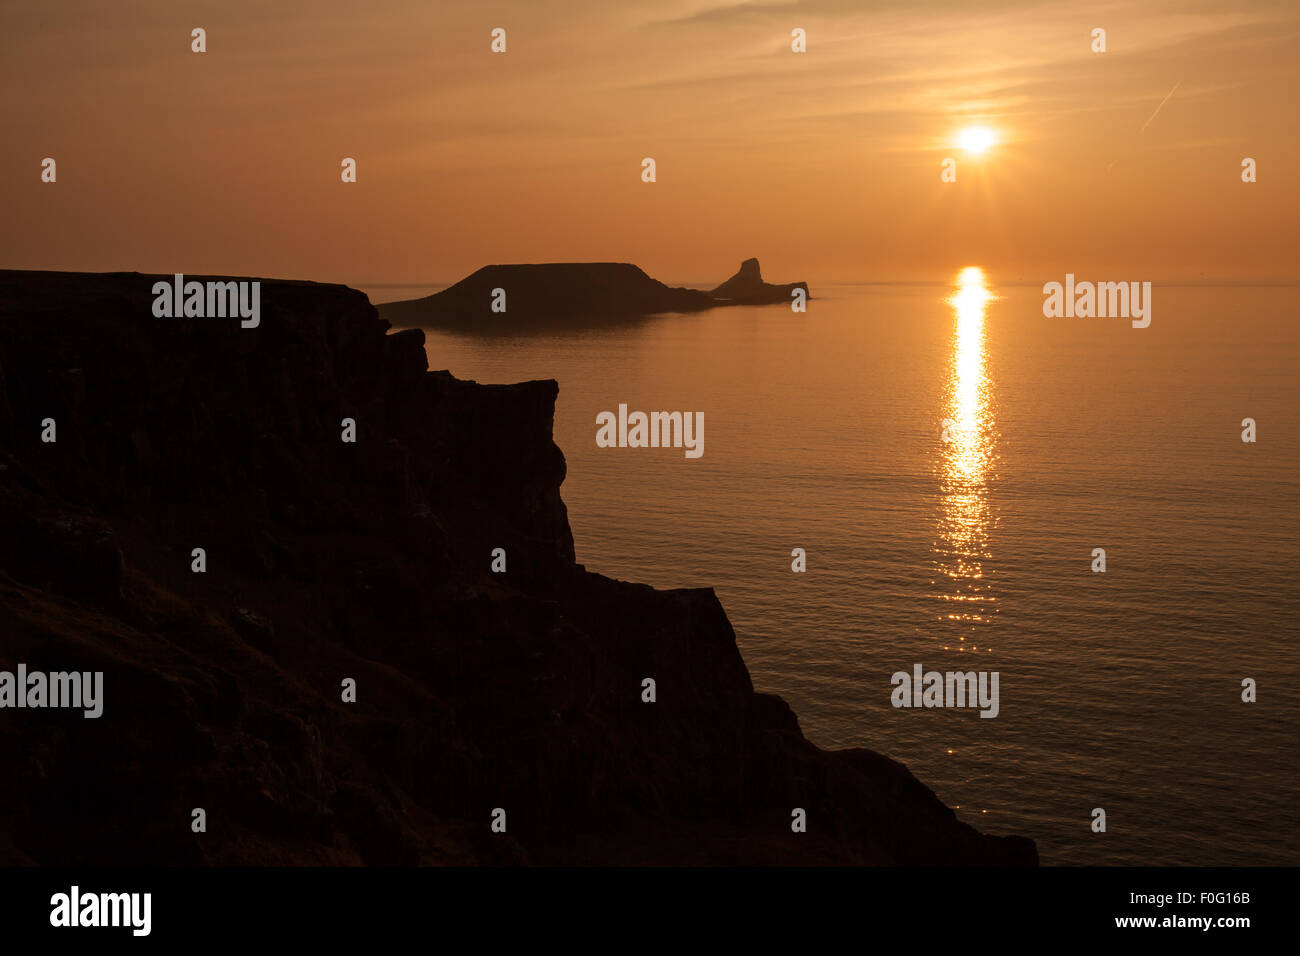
[[547, 295]]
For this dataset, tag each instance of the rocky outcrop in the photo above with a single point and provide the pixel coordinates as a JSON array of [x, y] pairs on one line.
[[370, 561], [747, 287], [519, 298]]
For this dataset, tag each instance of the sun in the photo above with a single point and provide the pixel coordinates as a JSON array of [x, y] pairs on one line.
[[976, 139]]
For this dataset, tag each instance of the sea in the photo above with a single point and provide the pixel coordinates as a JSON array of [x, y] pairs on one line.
[[958, 469]]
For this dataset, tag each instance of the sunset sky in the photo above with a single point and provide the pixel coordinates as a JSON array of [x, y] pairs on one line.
[[825, 165]]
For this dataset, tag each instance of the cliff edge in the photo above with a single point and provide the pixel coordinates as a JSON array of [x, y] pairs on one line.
[[328, 561]]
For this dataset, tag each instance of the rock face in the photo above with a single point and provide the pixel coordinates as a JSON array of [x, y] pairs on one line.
[[565, 294], [747, 287], [328, 561]]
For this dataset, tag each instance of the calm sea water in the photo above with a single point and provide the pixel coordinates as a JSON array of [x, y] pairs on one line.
[[1119, 690]]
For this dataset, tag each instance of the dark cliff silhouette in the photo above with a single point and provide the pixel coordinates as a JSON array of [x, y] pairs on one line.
[[369, 561], [558, 294]]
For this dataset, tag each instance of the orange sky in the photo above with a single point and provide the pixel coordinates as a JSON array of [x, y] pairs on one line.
[[825, 165]]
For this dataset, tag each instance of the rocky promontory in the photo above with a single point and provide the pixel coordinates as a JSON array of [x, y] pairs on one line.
[[328, 562], [747, 287], [520, 298]]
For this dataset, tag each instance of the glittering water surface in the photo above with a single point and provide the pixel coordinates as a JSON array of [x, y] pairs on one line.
[[965, 465], [825, 431]]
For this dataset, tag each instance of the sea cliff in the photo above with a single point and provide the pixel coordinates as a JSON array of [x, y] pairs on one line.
[[328, 561]]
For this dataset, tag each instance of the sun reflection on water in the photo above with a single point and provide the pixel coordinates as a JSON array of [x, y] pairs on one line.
[[966, 465]]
